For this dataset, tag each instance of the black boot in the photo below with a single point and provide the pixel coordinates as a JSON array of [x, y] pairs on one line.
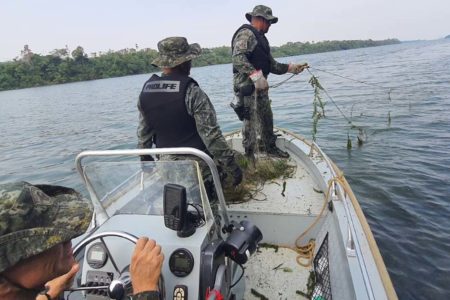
[[277, 152]]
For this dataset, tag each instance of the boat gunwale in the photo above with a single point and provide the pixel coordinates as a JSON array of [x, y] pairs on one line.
[[376, 254]]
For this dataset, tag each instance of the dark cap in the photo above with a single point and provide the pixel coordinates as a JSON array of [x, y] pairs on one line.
[[34, 218], [262, 11], [174, 51]]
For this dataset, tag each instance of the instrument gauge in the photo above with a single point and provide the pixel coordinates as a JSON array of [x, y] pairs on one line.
[[181, 262], [97, 255]]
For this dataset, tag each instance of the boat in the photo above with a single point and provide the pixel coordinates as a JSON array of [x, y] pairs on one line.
[[300, 237]]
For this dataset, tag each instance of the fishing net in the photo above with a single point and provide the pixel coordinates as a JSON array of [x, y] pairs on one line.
[[257, 173], [322, 288]]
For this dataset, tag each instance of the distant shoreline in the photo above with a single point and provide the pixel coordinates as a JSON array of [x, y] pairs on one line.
[[63, 66]]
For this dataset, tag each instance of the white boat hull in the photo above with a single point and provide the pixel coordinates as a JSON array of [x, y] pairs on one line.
[[356, 269], [315, 204]]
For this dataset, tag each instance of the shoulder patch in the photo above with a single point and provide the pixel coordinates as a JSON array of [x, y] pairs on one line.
[[241, 44]]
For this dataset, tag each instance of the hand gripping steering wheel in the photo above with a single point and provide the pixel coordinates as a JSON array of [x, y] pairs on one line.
[[118, 287]]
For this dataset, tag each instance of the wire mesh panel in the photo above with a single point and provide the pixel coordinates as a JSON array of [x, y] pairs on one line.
[[322, 288]]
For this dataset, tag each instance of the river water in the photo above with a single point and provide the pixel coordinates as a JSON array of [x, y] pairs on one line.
[[400, 175]]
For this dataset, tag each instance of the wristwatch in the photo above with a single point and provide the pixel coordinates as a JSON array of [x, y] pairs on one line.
[[44, 292]]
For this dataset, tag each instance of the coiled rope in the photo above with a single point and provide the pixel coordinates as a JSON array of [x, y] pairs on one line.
[[306, 252]]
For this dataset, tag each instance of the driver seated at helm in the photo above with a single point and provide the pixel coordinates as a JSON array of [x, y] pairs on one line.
[[37, 224]]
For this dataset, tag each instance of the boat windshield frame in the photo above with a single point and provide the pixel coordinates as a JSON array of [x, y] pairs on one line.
[[100, 211]]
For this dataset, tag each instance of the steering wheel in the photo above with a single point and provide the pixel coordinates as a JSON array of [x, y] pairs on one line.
[[118, 287]]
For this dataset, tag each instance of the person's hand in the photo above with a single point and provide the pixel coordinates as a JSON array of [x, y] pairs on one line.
[[297, 68], [259, 81], [56, 286], [146, 264]]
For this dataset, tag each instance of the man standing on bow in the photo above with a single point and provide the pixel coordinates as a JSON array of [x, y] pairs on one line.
[[252, 63], [176, 112]]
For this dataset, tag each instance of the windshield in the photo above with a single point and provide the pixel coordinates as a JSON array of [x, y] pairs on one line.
[[132, 187]]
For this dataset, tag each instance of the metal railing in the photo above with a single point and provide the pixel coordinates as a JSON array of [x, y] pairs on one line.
[[101, 212]]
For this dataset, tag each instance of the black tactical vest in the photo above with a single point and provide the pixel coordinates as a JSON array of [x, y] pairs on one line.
[[260, 57], [163, 105]]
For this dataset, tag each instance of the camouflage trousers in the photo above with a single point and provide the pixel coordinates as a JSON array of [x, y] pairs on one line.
[[261, 122]]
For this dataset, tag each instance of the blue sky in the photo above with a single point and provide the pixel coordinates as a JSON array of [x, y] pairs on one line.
[[99, 25]]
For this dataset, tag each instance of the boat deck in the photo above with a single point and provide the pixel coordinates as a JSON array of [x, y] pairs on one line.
[[302, 195], [292, 205], [280, 264]]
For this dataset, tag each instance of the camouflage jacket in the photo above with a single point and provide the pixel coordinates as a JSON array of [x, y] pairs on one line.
[[243, 44], [200, 107], [10, 291], [151, 295]]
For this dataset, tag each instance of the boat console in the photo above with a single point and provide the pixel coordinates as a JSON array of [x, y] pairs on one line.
[[165, 201]]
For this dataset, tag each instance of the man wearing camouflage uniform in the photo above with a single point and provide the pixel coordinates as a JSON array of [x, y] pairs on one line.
[[252, 63], [36, 226], [176, 112], [37, 223]]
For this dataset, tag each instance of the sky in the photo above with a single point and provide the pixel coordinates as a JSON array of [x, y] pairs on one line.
[[100, 25]]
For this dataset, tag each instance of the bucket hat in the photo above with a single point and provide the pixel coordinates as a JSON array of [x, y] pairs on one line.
[[262, 11], [34, 218], [174, 51]]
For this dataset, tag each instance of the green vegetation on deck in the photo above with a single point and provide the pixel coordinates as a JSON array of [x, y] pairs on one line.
[[62, 66]]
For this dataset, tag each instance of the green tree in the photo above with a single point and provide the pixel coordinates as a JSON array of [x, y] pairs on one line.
[[78, 54], [34, 70]]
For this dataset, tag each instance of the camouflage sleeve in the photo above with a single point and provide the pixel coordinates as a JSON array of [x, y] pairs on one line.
[[200, 107], [277, 68], [147, 295], [243, 44], [145, 133]]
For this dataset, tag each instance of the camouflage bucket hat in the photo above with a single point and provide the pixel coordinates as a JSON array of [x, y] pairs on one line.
[[262, 11], [34, 218], [174, 51]]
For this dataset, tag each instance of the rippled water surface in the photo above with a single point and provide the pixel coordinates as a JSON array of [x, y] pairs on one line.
[[400, 175]]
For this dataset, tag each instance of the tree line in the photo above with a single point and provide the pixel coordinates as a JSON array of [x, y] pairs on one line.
[[62, 65]]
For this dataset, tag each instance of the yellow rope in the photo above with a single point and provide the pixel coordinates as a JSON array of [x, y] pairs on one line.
[[306, 252], [381, 267]]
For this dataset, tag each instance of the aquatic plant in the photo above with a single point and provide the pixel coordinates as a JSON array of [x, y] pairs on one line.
[[256, 174], [318, 105], [349, 142]]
